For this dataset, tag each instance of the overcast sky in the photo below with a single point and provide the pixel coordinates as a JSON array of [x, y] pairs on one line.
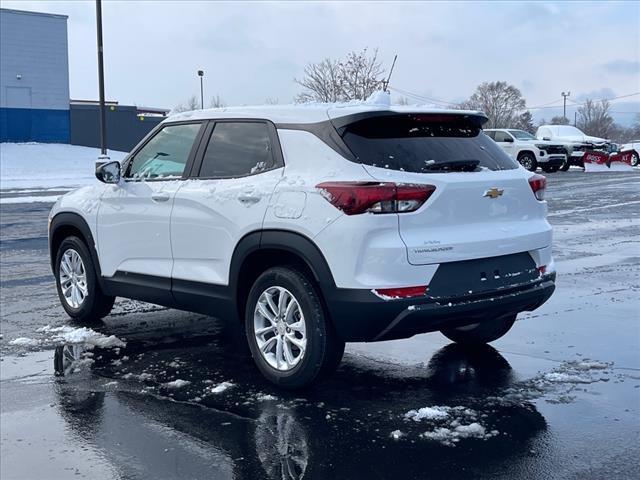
[[252, 51]]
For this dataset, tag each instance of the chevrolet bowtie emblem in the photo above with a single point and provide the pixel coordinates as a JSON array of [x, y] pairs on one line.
[[493, 193]]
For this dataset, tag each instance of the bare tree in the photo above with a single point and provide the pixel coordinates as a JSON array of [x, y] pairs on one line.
[[192, 103], [594, 118], [271, 101], [402, 101], [361, 75], [217, 102], [322, 82], [501, 102], [354, 78], [559, 120]]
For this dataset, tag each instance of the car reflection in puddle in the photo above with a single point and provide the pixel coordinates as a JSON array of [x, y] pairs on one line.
[[224, 421]]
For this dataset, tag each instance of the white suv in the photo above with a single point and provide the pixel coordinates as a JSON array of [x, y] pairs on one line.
[[313, 226], [528, 150]]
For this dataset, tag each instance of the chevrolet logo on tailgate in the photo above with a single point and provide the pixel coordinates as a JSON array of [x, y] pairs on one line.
[[493, 193]]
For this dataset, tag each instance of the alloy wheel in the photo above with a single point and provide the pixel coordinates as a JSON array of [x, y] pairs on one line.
[[279, 328], [73, 279]]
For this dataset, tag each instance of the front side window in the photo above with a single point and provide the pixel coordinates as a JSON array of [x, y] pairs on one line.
[[237, 149], [166, 154]]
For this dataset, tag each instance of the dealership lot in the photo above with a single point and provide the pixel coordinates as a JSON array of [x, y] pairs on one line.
[[558, 397]]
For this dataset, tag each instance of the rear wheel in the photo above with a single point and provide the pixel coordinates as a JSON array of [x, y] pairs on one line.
[[549, 169], [480, 333], [291, 338], [528, 161], [565, 166], [634, 159], [77, 283]]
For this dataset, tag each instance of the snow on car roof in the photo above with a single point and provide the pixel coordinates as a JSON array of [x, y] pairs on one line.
[[306, 113]]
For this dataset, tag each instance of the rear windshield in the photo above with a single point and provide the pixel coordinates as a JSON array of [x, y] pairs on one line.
[[425, 144]]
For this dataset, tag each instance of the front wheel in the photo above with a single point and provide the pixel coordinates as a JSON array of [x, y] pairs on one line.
[[291, 338], [480, 333], [528, 161], [77, 283], [565, 166]]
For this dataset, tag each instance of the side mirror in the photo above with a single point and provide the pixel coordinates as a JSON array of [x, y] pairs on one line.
[[546, 139], [508, 139], [108, 172]]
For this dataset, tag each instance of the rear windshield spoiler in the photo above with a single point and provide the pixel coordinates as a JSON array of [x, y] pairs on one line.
[[478, 119]]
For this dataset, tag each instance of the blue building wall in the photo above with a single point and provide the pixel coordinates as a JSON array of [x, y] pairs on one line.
[[34, 77], [34, 125]]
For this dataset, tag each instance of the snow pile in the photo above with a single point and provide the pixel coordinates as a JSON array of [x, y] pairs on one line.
[[46, 165], [220, 387], [451, 436], [178, 383], [82, 335], [428, 413], [451, 424]]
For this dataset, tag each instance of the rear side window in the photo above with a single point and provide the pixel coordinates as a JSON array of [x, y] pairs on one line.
[[425, 144], [237, 149]]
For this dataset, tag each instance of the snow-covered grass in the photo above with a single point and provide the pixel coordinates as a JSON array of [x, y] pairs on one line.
[[48, 165]]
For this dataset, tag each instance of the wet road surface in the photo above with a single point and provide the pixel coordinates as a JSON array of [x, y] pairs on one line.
[[557, 397]]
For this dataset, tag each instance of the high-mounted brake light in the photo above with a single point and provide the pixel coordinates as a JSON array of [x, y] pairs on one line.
[[360, 197], [538, 184]]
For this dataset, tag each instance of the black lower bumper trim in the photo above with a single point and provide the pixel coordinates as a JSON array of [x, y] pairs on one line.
[[359, 315]]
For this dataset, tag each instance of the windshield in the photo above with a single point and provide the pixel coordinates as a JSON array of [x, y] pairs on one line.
[[425, 144], [522, 135]]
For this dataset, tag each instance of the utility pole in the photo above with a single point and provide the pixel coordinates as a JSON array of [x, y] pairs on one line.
[[564, 108], [201, 74], [103, 121]]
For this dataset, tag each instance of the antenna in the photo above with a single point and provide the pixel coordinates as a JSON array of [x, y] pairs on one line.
[[385, 83]]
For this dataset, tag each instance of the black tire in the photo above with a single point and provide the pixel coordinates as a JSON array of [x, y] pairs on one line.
[[634, 159], [548, 169], [565, 166], [480, 333], [324, 349], [528, 161], [96, 304]]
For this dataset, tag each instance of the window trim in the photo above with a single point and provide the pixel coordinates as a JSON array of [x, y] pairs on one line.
[[126, 163], [274, 140]]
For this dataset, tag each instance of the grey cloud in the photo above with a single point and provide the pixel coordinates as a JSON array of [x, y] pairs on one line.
[[624, 67]]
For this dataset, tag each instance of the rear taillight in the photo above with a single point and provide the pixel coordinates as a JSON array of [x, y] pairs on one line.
[[360, 197], [538, 184], [401, 292]]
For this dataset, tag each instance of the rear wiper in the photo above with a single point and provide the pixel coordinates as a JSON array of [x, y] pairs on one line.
[[452, 166]]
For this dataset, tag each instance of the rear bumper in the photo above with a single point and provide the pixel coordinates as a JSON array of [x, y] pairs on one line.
[[360, 315]]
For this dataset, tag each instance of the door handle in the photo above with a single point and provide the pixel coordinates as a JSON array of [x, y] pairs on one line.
[[160, 196], [248, 198]]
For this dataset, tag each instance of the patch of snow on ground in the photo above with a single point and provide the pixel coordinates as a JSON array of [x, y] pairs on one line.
[[82, 335], [567, 378], [428, 413], [396, 434], [178, 383], [220, 387], [451, 436], [24, 342], [263, 397]]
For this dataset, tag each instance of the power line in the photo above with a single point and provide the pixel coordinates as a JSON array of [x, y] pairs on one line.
[[584, 103]]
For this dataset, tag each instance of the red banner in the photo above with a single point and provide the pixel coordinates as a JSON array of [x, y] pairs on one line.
[[624, 157], [599, 158]]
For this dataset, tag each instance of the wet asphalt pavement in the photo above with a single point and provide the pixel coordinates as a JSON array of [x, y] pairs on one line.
[[557, 397]]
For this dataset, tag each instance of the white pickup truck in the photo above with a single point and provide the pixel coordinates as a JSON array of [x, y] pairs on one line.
[[575, 141], [528, 150]]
